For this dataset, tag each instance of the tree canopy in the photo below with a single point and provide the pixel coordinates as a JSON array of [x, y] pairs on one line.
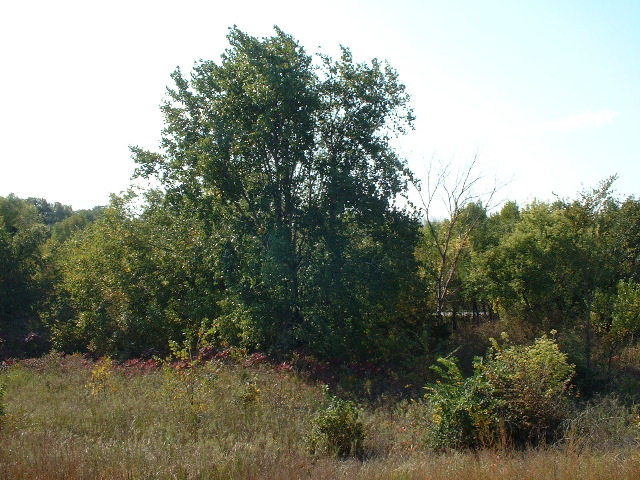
[[287, 161]]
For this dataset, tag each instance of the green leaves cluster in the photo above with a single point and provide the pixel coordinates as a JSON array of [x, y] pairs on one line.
[[131, 282], [23, 232], [463, 410], [28, 230], [625, 318], [533, 382]]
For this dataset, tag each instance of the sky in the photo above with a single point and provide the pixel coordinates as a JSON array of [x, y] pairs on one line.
[[545, 94]]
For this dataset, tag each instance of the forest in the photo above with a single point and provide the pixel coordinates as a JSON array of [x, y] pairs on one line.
[[285, 227]]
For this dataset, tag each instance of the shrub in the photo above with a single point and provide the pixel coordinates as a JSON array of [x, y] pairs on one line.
[[462, 410], [533, 383], [101, 377], [249, 394], [515, 394], [338, 429]]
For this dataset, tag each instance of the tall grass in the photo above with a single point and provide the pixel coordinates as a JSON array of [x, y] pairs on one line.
[[238, 422]]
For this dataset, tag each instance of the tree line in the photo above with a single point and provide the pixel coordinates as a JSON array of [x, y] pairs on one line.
[[282, 224]]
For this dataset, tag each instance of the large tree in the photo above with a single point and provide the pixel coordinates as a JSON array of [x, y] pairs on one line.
[[288, 160]]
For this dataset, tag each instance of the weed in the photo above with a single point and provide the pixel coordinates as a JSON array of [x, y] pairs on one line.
[[250, 393], [603, 424], [337, 429], [101, 377], [3, 390], [139, 433], [188, 381]]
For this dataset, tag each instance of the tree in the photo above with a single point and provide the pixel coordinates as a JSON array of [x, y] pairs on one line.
[[445, 242], [8, 267], [616, 317], [130, 281], [529, 275], [560, 264], [50, 213], [598, 255], [22, 235], [288, 164], [627, 237]]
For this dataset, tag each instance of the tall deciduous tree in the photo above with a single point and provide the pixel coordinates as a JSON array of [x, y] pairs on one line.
[[288, 162]]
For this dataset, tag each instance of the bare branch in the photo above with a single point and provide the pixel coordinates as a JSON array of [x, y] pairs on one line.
[[451, 236]]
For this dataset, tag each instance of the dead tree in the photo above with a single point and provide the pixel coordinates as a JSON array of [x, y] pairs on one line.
[[456, 191]]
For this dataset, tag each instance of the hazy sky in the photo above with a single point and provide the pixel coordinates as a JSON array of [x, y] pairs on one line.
[[547, 93]]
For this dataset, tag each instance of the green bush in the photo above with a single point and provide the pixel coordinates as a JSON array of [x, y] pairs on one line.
[[533, 383], [516, 394], [463, 411], [338, 430]]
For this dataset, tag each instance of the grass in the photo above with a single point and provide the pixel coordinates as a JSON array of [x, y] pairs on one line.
[[68, 418]]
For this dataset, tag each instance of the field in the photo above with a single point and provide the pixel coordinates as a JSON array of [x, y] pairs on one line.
[[65, 417]]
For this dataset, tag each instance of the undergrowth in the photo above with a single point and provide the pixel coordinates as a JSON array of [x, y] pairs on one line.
[[68, 418]]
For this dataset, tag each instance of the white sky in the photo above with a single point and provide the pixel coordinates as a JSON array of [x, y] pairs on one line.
[[546, 92]]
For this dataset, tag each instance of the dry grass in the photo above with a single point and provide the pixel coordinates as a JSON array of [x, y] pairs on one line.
[[230, 422]]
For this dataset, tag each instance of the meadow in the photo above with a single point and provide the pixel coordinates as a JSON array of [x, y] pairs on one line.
[[67, 417]]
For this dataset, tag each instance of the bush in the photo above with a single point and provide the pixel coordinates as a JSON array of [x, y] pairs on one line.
[[533, 383], [462, 410], [338, 429], [517, 394]]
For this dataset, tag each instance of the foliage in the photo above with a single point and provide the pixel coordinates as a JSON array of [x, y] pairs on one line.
[[288, 165], [558, 268], [626, 310], [463, 411], [22, 234], [528, 273], [616, 316], [515, 394], [533, 383], [337, 429], [26, 227], [127, 284]]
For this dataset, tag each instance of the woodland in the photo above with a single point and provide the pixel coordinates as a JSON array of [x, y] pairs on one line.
[[285, 227]]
